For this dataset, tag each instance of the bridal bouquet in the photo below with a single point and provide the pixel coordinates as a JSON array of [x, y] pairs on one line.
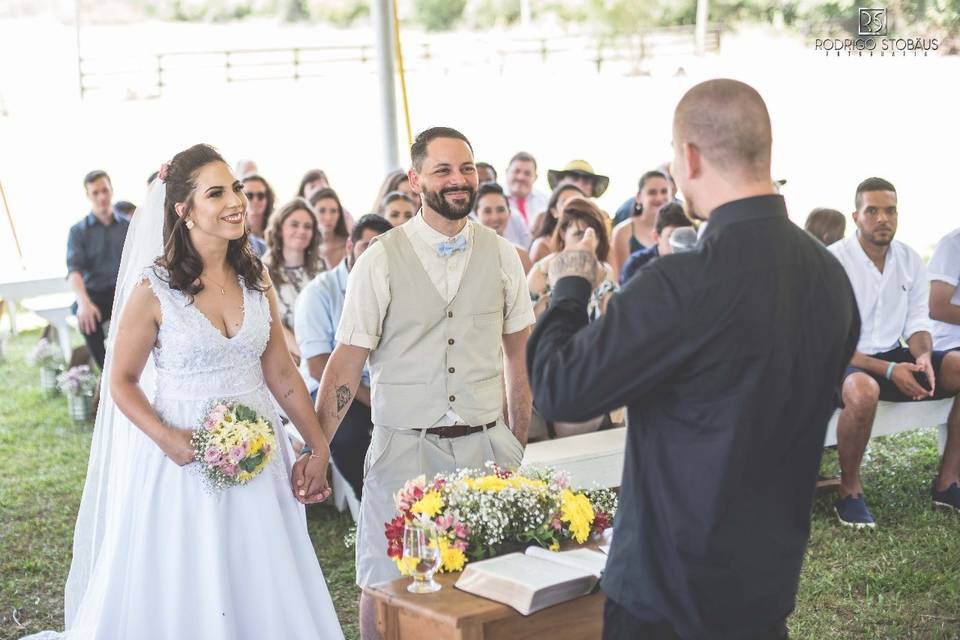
[[480, 513], [233, 444]]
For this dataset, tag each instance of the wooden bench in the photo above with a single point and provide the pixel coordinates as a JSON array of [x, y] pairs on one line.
[[596, 459]]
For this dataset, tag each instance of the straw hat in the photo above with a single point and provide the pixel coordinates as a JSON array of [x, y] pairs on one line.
[[582, 167]]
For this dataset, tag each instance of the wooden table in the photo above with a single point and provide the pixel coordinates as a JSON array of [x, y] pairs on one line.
[[451, 614]]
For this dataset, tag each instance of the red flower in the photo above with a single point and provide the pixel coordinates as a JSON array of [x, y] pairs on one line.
[[601, 521], [501, 473]]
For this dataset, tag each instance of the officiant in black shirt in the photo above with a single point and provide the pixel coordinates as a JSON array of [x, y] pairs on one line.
[[728, 359]]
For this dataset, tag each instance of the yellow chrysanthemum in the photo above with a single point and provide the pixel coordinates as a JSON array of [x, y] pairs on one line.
[[451, 558], [406, 565], [429, 505], [555, 546], [576, 510], [496, 484]]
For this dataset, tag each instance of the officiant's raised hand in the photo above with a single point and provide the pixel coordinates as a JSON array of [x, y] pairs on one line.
[[309, 476], [578, 259]]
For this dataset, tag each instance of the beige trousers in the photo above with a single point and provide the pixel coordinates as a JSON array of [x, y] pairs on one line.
[[398, 455]]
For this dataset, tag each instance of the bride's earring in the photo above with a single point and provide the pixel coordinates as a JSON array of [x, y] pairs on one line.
[[189, 224]]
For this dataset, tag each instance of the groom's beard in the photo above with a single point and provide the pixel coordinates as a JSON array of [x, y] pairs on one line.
[[449, 210]]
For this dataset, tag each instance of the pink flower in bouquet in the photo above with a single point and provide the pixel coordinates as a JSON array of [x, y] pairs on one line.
[[557, 524], [237, 454], [445, 522], [230, 469], [459, 544], [438, 484], [501, 473], [462, 530], [212, 456], [222, 409], [560, 479], [601, 522], [209, 424]]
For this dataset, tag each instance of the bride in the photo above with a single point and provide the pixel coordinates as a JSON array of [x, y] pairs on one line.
[[157, 553]]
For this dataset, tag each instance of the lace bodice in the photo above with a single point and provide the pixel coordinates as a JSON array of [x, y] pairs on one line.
[[193, 359]]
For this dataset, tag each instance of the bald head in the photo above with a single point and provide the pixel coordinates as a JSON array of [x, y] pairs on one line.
[[728, 123]]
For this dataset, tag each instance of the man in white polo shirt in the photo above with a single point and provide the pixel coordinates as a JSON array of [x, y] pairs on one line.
[[441, 307], [890, 283]]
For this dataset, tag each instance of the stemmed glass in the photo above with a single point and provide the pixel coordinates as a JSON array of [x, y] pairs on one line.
[[421, 555]]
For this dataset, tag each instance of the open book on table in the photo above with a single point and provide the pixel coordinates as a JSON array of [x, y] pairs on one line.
[[535, 579]]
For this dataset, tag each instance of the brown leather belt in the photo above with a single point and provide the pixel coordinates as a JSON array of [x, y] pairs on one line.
[[458, 430]]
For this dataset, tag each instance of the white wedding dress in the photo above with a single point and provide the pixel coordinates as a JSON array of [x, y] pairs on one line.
[[183, 561]]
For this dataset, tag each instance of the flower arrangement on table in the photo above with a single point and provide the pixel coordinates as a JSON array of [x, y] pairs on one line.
[[45, 354], [77, 381], [233, 444], [479, 512]]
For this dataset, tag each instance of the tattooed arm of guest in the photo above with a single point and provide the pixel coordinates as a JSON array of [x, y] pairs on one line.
[[338, 386]]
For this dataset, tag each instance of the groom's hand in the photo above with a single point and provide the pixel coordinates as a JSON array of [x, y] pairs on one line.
[[309, 479]]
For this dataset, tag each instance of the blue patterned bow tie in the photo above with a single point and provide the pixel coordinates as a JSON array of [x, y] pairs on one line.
[[449, 247]]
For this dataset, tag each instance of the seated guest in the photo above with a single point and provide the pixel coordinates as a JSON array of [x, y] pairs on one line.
[[311, 182], [890, 283], [397, 207], [526, 202], [493, 210], [577, 216], [670, 218], [316, 318], [292, 259], [486, 172], [333, 226], [315, 180], [260, 200], [244, 167], [580, 173], [547, 222], [636, 233], [625, 210], [94, 247], [396, 180], [826, 225]]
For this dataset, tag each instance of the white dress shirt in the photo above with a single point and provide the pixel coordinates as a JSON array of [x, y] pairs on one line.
[[945, 267], [894, 304], [518, 229], [368, 289]]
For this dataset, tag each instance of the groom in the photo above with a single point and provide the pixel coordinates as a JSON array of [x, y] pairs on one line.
[[440, 307]]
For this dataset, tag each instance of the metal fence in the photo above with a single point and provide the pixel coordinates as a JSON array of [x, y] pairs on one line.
[[152, 75]]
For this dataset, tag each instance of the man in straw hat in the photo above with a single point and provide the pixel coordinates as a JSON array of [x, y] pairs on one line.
[[581, 174]]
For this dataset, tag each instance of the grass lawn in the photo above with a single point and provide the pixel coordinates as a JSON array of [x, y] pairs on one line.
[[901, 581]]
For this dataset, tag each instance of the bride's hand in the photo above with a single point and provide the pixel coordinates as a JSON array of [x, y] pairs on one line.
[[309, 478], [177, 445]]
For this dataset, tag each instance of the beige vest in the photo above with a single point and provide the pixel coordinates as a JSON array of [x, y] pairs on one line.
[[432, 355]]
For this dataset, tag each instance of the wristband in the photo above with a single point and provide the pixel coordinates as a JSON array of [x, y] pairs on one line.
[[305, 449], [889, 374]]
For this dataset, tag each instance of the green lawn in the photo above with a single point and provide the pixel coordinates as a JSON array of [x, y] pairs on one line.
[[902, 581]]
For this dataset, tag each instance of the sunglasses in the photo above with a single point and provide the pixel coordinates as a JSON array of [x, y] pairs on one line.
[[255, 195]]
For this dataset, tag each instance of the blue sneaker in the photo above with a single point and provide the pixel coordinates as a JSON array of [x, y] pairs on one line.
[[949, 498], [852, 512]]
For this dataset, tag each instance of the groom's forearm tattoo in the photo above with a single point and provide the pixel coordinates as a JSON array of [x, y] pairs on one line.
[[288, 393], [344, 396]]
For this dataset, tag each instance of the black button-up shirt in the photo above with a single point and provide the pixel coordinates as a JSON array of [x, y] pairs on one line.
[[728, 359], [94, 250]]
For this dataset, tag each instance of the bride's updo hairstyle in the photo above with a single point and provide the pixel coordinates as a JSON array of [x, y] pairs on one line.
[[180, 258]]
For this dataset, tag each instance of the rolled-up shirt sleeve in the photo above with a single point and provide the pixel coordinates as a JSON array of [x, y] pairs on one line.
[[918, 301], [367, 299], [76, 257], [518, 308]]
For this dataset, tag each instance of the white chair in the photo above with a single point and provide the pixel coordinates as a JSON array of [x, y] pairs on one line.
[[55, 309]]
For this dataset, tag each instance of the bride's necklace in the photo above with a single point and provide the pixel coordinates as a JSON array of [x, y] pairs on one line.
[[222, 291]]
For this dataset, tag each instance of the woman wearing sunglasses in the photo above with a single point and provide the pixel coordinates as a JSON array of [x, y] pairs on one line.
[[260, 200]]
